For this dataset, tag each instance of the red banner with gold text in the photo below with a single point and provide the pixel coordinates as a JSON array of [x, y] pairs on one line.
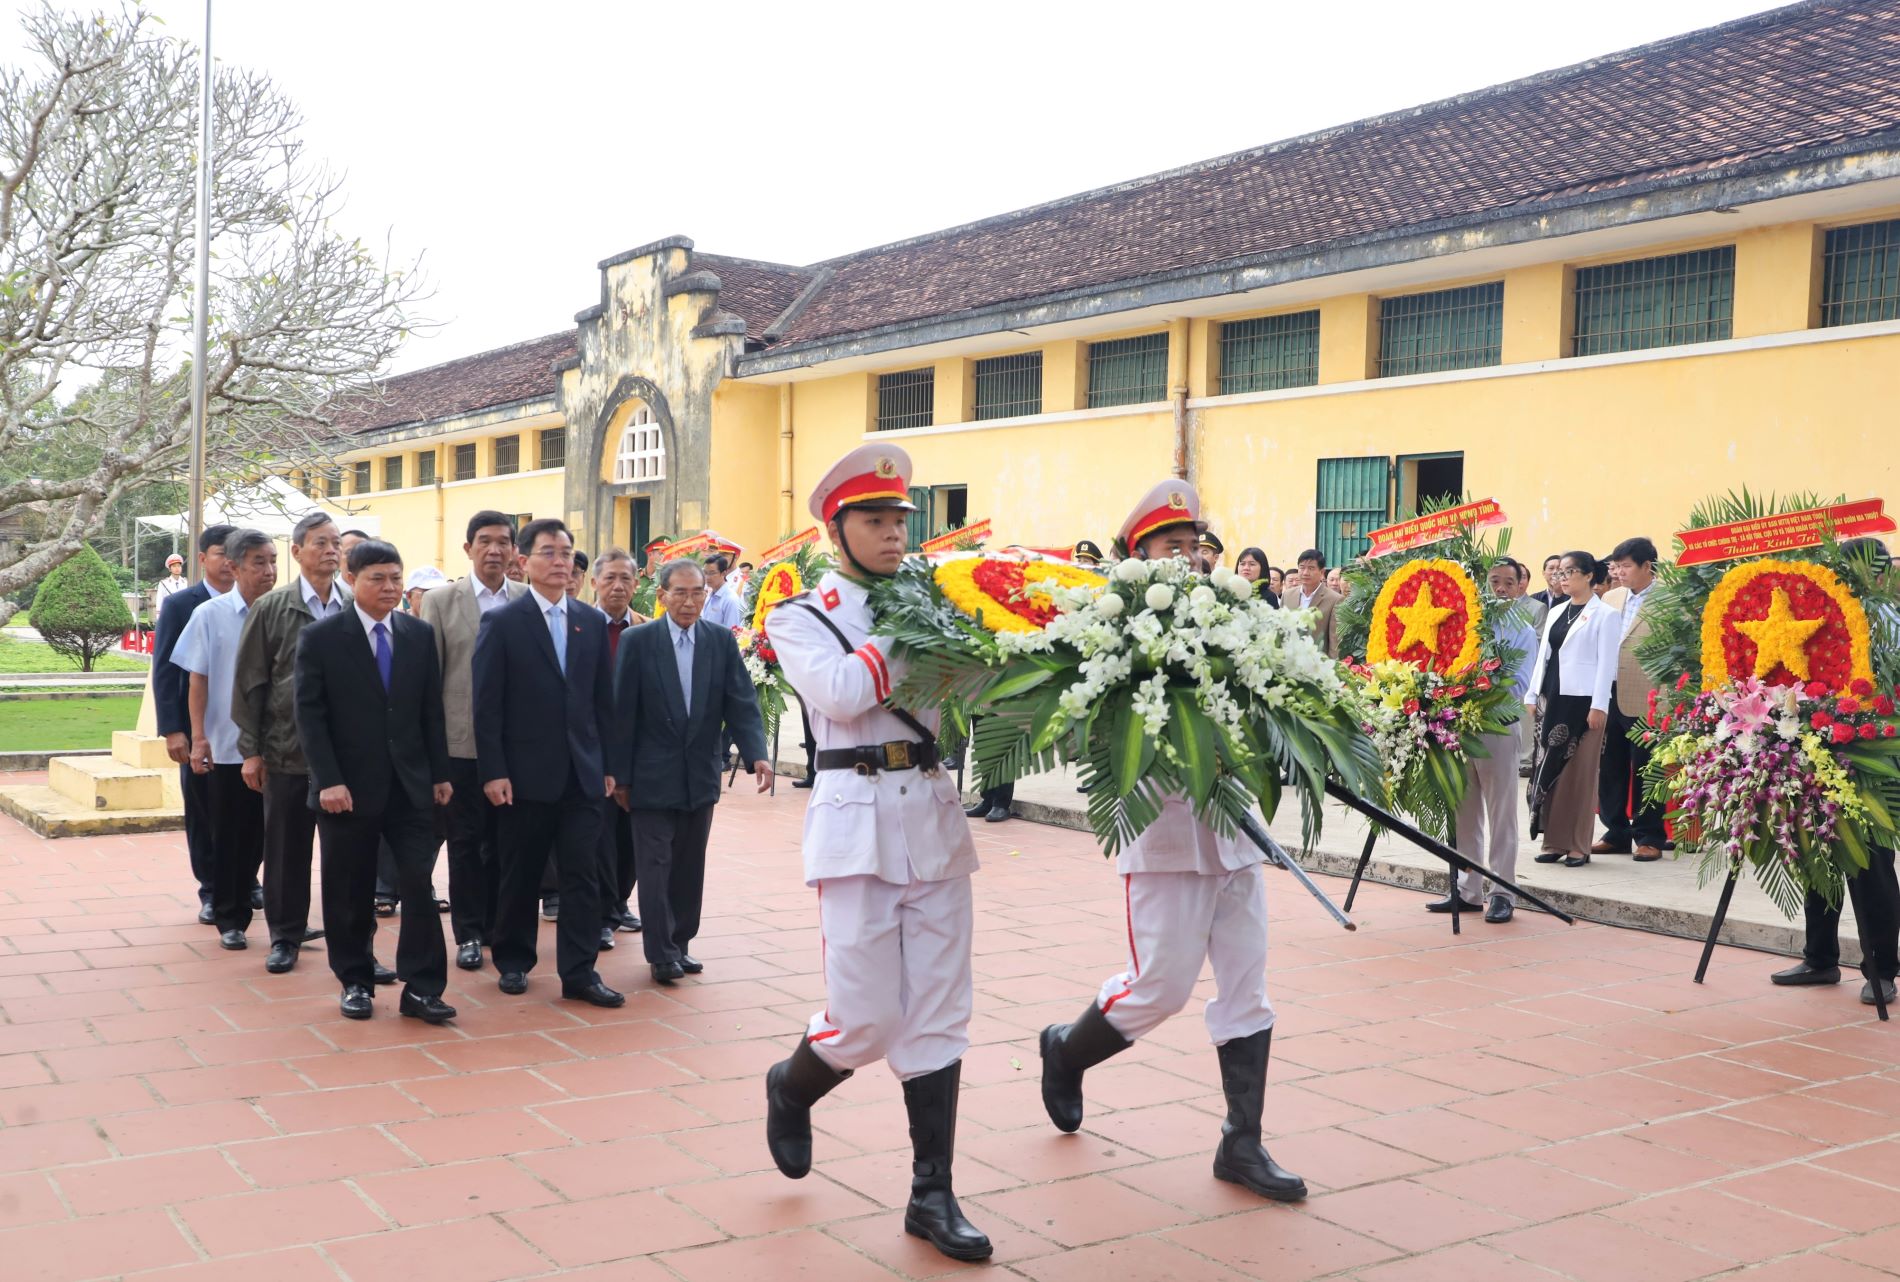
[[1434, 526], [976, 531], [1783, 532]]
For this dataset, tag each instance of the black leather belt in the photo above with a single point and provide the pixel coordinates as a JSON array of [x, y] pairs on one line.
[[898, 754]]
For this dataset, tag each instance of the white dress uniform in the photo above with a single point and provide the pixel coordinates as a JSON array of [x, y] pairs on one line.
[[890, 853]]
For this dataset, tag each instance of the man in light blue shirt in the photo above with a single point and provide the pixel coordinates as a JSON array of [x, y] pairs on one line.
[[722, 607], [208, 651], [1487, 818]]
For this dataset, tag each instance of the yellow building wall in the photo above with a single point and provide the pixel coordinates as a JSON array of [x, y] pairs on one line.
[[1578, 457], [745, 480], [427, 523]]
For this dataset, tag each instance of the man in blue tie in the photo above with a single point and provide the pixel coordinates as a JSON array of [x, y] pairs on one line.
[[543, 698], [369, 713]]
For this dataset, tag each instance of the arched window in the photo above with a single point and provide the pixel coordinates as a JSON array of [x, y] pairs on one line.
[[641, 455]]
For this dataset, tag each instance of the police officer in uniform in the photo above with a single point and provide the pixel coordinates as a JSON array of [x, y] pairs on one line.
[[1212, 550], [888, 848], [1086, 554], [1193, 895]]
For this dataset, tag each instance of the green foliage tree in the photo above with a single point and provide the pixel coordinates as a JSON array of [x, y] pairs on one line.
[[79, 611]]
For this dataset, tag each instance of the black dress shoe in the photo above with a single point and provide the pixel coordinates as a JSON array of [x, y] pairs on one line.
[[513, 982], [977, 811], [233, 940], [668, 972], [206, 917], [594, 994], [1867, 993], [384, 975], [283, 955], [1444, 906], [430, 1010], [1802, 973], [691, 965], [802, 783], [311, 934], [1551, 857], [551, 908], [997, 815], [629, 923], [606, 938], [1499, 910], [257, 899], [356, 1003], [469, 955]]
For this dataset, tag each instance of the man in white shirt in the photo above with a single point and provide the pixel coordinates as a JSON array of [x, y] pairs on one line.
[[1629, 820], [723, 608], [208, 651]]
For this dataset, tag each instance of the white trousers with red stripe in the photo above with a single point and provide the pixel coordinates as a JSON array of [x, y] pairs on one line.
[[1175, 921], [897, 974]]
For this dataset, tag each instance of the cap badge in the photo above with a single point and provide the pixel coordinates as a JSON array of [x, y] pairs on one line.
[[1177, 500], [887, 468]]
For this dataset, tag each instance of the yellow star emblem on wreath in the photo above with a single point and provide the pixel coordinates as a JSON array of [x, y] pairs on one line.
[[1781, 639], [1422, 619]]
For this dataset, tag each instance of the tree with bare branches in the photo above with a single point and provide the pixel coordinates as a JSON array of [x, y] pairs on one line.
[[98, 143]]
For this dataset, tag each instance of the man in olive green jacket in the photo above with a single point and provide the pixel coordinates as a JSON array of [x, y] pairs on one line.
[[264, 703]]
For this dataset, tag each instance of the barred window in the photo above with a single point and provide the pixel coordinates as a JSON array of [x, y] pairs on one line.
[[359, 477], [1128, 371], [465, 462], [553, 447], [333, 483], [1860, 276], [392, 472], [641, 455], [507, 455], [1007, 386], [906, 399], [1656, 302], [425, 468], [1443, 330], [1269, 352]]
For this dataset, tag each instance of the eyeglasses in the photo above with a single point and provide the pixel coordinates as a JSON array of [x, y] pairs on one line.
[[554, 554], [688, 594]]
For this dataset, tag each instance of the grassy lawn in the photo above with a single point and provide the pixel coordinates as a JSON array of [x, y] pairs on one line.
[[32, 656], [51, 725]]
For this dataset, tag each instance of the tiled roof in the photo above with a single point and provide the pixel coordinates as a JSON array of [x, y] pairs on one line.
[[518, 372], [753, 291], [1790, 81]]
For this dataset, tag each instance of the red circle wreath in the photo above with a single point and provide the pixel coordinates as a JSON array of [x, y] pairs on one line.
[[1829, 650], [1432, 588]]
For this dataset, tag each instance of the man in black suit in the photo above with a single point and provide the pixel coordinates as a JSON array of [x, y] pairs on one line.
[[169, 699], [543, 724], [369, 712], [682, 692]]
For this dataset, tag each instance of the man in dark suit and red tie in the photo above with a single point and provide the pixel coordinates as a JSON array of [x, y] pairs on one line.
[[544, 712], [369, 712], [682, 692]]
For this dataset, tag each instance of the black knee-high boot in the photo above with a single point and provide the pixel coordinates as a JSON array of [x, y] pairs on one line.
[[1240, 1159], [933, 1213], [792, 1086], [1067, 1051]]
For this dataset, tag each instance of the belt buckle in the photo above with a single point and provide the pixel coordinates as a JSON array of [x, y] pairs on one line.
[[897, 755]]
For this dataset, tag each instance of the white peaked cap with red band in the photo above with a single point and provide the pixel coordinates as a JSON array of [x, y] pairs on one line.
[[869, 476], [1173, 502]]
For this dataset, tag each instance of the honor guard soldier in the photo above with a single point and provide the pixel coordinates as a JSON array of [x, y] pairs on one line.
[[1212, 550], [1193, 895], [888, 848], [1086, 554]]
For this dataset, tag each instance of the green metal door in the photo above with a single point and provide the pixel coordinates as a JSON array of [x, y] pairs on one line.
[[919, 521], [1354, 500]]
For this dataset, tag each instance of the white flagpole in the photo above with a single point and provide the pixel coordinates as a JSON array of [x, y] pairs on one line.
[[201, 302]]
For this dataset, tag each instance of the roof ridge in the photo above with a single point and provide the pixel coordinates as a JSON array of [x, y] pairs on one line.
[[484, 354], [765, 264], [1766, 17]]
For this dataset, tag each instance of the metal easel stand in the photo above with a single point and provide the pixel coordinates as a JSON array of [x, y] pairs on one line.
[[1455, 862], [1721, 915]]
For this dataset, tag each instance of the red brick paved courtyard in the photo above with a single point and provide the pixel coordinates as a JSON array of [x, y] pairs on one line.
[[1528, 1102]]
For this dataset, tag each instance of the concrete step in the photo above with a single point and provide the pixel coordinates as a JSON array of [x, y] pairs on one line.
[[51, 814], [101, 783], [140, 751]]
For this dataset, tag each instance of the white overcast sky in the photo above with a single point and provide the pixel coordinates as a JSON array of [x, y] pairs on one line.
[[515, 144]]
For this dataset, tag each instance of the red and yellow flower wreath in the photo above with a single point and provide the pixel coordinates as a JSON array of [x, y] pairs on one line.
[[1427, 615], [1009, 596], [780, 581], [1784, 622]]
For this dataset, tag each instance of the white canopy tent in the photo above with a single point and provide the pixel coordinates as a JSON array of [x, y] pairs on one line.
[[272, 505]]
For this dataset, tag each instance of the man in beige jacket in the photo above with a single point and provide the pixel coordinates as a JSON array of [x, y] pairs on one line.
[[1309, 592], [1631, 824], [455, 611]]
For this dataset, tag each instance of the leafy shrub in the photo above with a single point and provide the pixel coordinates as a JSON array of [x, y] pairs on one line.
[[79, 611]]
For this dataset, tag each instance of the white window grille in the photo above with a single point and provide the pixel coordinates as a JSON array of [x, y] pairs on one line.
[[642, 454]]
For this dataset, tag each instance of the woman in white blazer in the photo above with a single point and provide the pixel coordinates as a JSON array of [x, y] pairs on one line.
[[1576, 664]]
